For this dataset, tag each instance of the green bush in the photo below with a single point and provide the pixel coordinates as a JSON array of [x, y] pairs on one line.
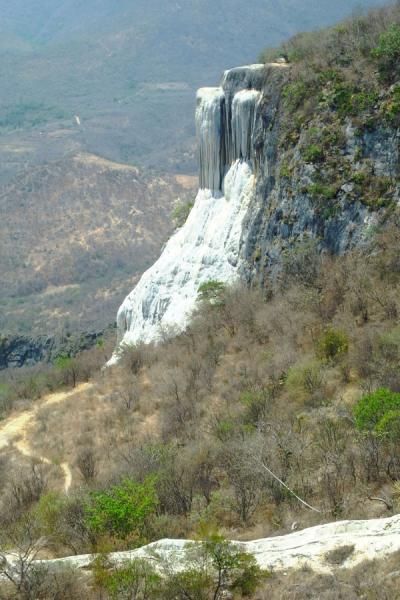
[[350, 100], [212, 292], [378, 412], [306, 382], [390, 109], [320, 190], [133, 579], [306, 376], [192, 583], [313, 153], [295, 94], [332, 345], [387, 53], [389, 425], [255, 403], [181, 213], [123, 509], [235, 570], [208, 570]]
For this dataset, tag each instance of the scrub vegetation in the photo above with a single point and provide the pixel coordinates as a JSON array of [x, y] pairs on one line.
[[278, 408], [299, 380]]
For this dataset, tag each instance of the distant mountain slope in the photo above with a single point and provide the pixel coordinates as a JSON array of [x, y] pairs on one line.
[[129, 68], [71, 232]]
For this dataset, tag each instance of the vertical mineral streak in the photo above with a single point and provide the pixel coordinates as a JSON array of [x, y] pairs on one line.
[[243, 122], [210, 117]]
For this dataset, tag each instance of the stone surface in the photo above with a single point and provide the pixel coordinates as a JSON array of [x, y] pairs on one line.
[[24, 351], [247, 216], [208, 245], [372, 539]]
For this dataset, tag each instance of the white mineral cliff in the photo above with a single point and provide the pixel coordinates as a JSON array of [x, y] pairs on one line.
[[207, 247], [372, 539]]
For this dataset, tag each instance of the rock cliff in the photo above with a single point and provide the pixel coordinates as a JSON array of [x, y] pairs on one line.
[[269, 182]]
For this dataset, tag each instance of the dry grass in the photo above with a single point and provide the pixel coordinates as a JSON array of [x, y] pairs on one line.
[[378, 580]]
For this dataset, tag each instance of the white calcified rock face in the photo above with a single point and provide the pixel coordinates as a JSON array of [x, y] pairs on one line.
[[207, 247], [372, 539]]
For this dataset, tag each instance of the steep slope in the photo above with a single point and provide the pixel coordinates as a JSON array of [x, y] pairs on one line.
[[207, 247], [300, 163]]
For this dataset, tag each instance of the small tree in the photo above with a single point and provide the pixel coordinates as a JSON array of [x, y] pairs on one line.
[[212, 292], [387, 53], [133, 580], [235, 570], [123, 509], [332, 345], [17, 565], [377, 417], [212, 568], [378, 412], [68, 368]]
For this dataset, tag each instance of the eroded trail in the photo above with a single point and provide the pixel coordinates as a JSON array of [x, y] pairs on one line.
[[14, 430]]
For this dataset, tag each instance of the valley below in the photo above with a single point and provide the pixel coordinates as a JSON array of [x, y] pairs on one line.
[[77, 230]]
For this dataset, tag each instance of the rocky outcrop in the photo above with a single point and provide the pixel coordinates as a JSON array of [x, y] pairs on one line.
[[299, 199], [208, 246], [24, 351], [267, 184], [312, 547]]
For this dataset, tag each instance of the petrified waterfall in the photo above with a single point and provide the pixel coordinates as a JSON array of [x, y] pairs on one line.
[[207, 247]]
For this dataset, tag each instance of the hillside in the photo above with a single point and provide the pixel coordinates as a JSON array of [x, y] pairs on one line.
[[72, 232], [265, 407], [297, 156], [124, 68], [114, 80], [193, 429]]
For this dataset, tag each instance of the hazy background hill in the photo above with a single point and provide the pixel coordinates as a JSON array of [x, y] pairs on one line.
[[129, 69], [115, 80]]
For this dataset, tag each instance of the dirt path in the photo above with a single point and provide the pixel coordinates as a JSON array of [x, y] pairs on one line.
[[17, 426]]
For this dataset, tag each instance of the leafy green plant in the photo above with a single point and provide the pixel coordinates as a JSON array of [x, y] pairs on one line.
[[255, 403], [212, 292], [235, 570], [378, 412], [181, 213], [351, 100], [313, 153], [305, 381], [390, 108], [323, 191], [193, 583], [224, 429], [132, 580], [294, 94], [68, 367], [123, 509], [208, 570], [332, 345], [387, 53]]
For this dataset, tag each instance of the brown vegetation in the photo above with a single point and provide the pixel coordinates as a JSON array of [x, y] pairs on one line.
[[78, 234], [253, 387]]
